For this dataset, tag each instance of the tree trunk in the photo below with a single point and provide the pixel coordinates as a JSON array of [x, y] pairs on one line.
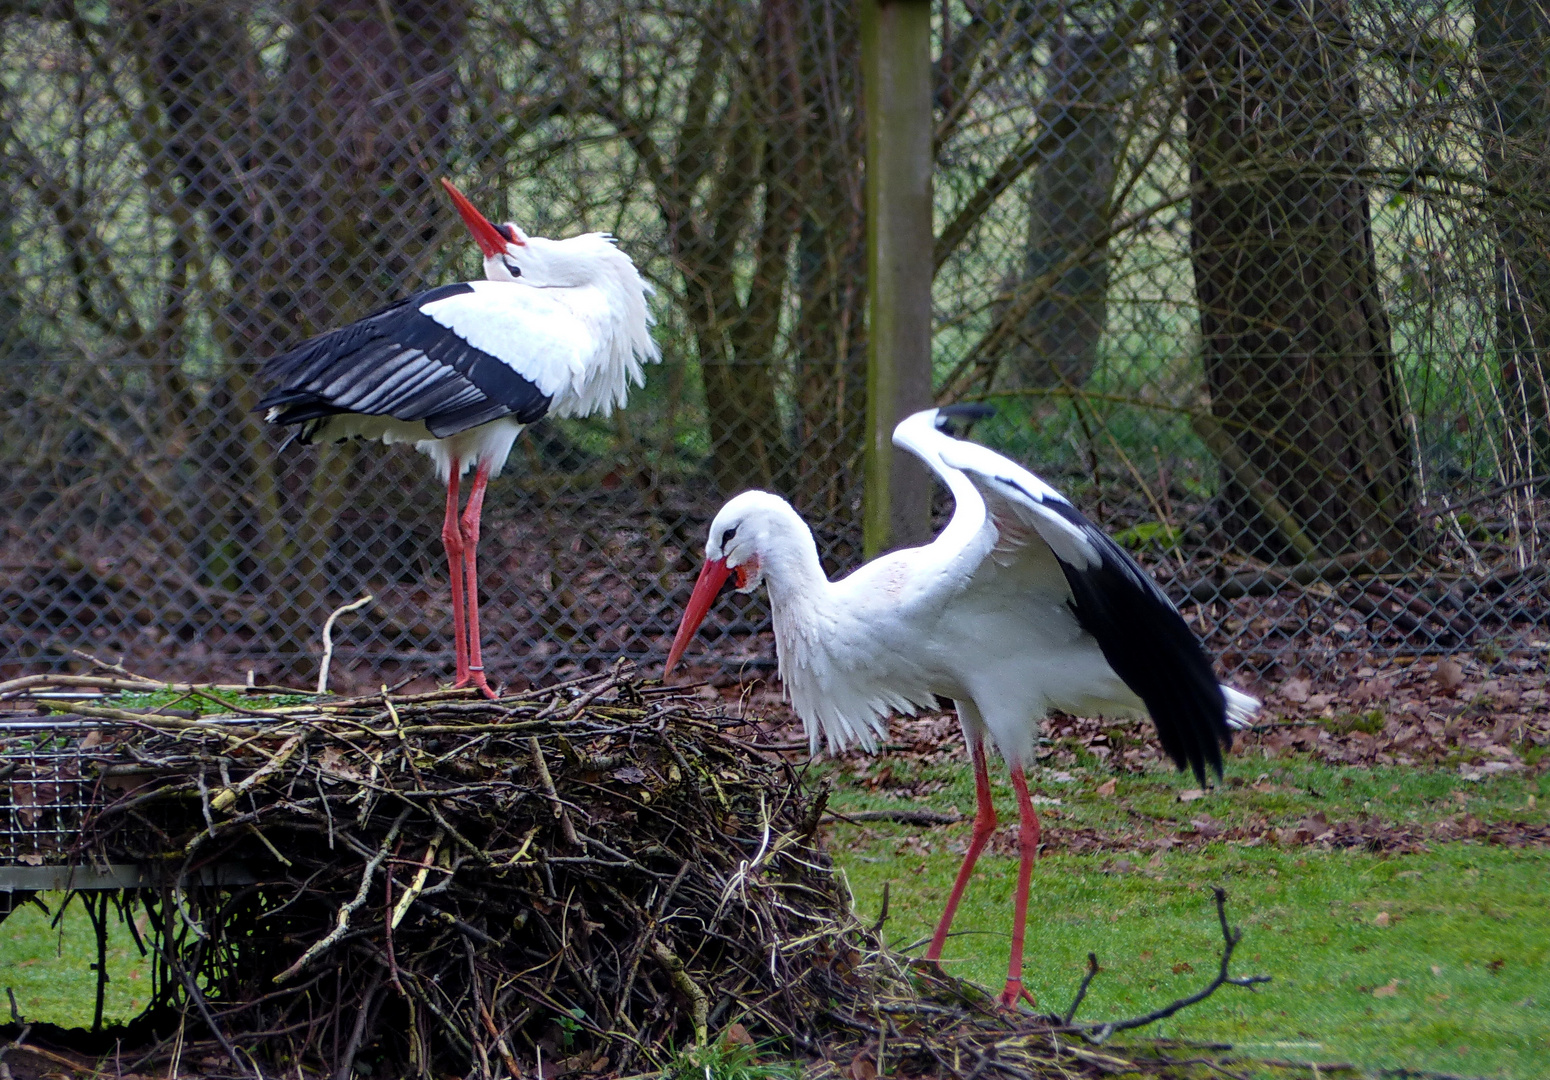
[[1513, 39], [827, 142], [1068, 215], [315, 187], [1294, 334], [707, 226]]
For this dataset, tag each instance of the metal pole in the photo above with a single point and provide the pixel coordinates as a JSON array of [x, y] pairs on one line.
[[896, 68]]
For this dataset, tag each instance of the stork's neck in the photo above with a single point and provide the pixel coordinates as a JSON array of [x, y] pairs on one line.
[[792, 571]]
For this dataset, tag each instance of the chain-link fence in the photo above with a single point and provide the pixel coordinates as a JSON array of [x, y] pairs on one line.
[[1263, 286]]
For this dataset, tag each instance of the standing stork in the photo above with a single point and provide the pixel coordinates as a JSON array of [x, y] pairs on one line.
[[558, 328], [1020, 606]]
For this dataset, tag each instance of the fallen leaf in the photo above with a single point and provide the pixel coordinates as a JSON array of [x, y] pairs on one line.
[[1296, 690], [1437, 970], [1381, 919], [1497, 965], [1182, 967], [1108, 786], [1191, 794], [736, 1035], [1387, 991], [1449, 675], [629, 775], [1371, 690], [863, 1068]]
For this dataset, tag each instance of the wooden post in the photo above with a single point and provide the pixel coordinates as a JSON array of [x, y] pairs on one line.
[[896, 67]]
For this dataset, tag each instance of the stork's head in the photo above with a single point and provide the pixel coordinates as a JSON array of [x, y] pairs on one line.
[[504, 246], [956, 420], [588, 259], [748, 532]]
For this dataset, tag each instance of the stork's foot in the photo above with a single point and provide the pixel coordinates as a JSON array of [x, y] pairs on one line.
[[475, 678], [1015, 992]]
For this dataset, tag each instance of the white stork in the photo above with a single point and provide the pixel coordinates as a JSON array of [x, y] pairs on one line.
[[1020, 606], [560, 327]]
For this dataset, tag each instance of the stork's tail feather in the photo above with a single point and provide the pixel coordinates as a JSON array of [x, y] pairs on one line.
[[1241, 709]]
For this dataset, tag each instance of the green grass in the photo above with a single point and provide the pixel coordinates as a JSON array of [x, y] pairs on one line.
[[721, 1060], [1281, 793], [1467, 935], [49, 968]]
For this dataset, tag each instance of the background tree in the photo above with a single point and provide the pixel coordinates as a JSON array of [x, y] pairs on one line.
[[309, 176], [1513, 39], [1069, 214], [1293, 327]]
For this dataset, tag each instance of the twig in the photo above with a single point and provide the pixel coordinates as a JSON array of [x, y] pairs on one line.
[[16, 1043], [347, 1059], [226, 798], [1097, 1032], [1081, 991], [349, 909], [192, 986], [567, 829], [699, 1003], [882, 915], [328, 638], [417, 886]]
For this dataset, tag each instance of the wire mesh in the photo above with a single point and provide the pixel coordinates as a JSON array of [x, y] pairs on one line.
[[1262, 287], [47, 785]]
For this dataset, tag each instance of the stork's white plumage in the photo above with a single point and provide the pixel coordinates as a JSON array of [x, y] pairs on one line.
[[560, 327], [1020, 606]]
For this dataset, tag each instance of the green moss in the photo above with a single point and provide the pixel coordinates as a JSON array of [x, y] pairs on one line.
[[1370, 722]]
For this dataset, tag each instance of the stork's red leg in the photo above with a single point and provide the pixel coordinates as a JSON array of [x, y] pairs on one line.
[[984, 826], [471, 560], [1028, 849], [452, 540]]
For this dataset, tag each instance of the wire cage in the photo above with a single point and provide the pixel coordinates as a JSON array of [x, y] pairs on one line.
[[1263, 292], [47, 788]]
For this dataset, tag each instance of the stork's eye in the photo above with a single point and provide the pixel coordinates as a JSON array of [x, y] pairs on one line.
[[512, 268], [726, 537]]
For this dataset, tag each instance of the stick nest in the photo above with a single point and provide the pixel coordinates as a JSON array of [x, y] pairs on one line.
[[581, 880]]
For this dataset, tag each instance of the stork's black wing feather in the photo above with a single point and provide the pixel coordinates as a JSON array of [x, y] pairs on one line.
[[1150, 646], [1139, 631], [400, 362]]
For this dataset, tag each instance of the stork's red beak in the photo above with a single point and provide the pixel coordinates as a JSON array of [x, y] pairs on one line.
[[707, 587], [487, 236]]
